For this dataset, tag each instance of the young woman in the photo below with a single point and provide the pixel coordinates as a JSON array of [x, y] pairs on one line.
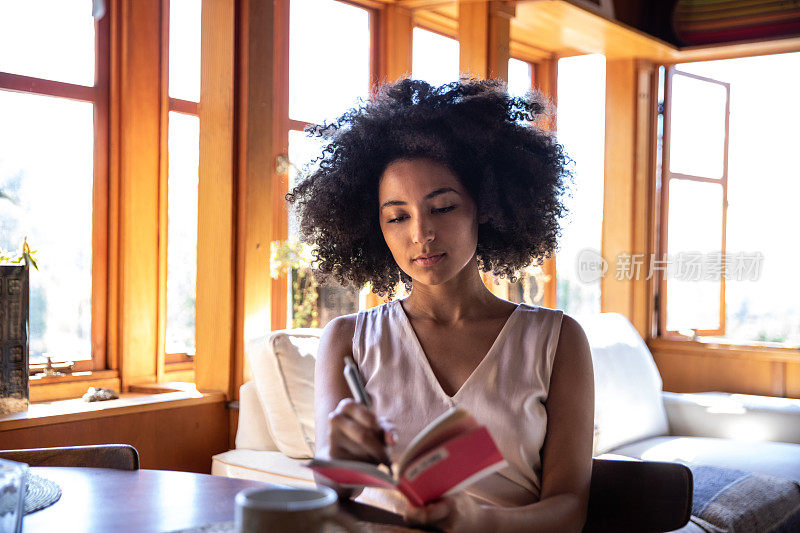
[[428, 186]]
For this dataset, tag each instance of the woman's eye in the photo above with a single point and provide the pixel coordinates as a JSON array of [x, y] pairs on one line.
[[443, 209], [397, 219]]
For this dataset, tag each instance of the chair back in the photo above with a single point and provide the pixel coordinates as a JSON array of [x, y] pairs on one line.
[[117, 456], [631, 495]]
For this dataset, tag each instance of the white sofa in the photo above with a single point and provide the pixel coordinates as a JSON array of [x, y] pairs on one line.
[[634, 416]]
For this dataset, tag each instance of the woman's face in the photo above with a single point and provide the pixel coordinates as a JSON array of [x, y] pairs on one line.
[[428, 219]]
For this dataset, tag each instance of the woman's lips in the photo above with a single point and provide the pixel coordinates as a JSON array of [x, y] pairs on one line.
[[429, 260]]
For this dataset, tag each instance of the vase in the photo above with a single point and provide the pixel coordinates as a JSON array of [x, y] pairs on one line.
[[14, 311]]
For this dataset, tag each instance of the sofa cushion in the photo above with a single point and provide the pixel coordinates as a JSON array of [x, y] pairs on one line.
[[628, 404], [733, 500], [778, 459], [283, 370], [252, 430]]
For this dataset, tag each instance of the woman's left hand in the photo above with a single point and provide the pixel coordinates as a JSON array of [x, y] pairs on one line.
[[458, 512]]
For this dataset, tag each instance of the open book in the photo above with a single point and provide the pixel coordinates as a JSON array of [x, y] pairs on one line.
[[451, 453]]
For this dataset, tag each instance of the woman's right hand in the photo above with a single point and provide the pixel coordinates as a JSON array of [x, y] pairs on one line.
[[357, 435]]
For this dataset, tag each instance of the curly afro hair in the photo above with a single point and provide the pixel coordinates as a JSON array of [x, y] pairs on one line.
[[515, 172]]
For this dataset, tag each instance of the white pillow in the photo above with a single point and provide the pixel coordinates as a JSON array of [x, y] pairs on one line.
[[283, 369], [627, 385]]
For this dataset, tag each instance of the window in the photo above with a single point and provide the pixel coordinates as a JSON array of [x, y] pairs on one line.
[[520, 77], [347, 63], [53, 187], [530, 286], [581, 129], [739, 208], [434, 57], [183, 154]]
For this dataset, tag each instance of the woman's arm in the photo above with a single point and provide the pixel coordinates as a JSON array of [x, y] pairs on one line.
[[566, 456], [567, 449], [344, 429]]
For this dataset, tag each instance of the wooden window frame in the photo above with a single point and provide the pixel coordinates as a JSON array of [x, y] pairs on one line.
[[666, 177], [285, 124], [185, 107], [98, 95]]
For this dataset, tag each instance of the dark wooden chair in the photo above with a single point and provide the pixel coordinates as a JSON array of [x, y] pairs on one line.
[[117, 456], [630, 495], [624, 496]]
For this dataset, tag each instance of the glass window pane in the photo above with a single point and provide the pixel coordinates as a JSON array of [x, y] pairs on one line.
[[434, 57], [697, 136], [46, 178], [761, 285], [184, 143], [581, 129], [694, 241], [327, 74], [303, 149], [311, 304], [184, 49], [519, 77], [51, 39]]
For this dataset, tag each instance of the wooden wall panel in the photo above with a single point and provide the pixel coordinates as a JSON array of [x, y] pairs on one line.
[[182, 438], [793, 379], [394, 45], [139, 163], [216, 194], [682, 372], [255, 173], [473, 39], [644, 192], [621, 86], [484, 35]]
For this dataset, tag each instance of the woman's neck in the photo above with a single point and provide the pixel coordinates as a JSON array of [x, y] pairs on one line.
[[463, 297]]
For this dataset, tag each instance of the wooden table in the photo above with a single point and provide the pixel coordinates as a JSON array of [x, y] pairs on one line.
[[99, 499]]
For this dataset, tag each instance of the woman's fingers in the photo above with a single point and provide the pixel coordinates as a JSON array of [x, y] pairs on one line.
[[356, 434], [431, 513], [358, 412], [389, 431], [367, 438]]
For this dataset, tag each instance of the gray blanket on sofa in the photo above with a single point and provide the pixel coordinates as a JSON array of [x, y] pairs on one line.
[[729, 501]]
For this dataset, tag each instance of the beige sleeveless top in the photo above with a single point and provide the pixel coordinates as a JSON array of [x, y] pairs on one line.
[[506, 393]]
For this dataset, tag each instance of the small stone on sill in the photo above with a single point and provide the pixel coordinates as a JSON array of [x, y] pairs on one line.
[[99, 395]]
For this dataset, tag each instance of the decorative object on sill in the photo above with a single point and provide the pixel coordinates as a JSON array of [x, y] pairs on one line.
[[99, 395], [49, 370], [59, 368], [40, 493], [699, 22], [14, 311]]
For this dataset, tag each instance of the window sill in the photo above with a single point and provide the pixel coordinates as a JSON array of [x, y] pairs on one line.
[[715, 347], [74, 385], [46, 413]]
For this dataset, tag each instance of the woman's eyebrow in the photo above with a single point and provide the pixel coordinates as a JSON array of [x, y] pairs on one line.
[[428, 196]]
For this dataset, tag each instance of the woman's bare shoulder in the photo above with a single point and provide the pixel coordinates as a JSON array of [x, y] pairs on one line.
[[337, 337]]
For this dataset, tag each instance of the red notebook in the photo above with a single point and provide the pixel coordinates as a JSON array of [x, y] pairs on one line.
[[451, 453]]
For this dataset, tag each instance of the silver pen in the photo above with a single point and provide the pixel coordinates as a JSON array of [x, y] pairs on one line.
[[356, 384], [359, 392]]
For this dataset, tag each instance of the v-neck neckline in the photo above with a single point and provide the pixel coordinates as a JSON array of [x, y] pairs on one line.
[[425, 362]]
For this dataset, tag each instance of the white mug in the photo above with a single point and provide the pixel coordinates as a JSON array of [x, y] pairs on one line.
[[289, 509]]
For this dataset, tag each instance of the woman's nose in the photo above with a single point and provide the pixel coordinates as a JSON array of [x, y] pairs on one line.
[[422, 231]]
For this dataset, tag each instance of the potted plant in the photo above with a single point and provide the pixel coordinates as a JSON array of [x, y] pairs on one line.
[[314, 304], [295, 259], [14, 311]]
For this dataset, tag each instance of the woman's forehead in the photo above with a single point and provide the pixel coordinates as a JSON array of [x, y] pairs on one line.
[[417, 177]]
